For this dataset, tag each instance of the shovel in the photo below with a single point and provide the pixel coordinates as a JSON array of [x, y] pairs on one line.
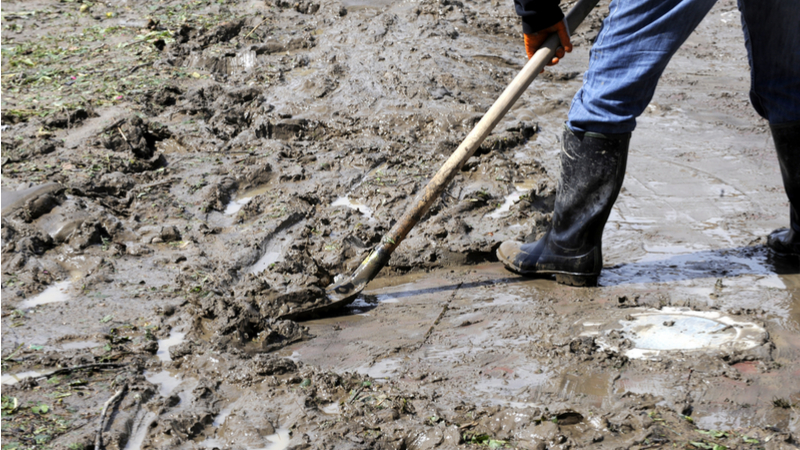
[[346, 290]]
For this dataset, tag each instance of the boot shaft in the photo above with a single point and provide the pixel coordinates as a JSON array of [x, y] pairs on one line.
[[592, 172], [787, 145]]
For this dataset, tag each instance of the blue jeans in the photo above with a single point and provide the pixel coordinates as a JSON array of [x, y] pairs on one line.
[[639, 37]]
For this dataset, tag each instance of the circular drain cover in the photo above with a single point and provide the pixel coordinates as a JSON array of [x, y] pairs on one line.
[[677, 329]]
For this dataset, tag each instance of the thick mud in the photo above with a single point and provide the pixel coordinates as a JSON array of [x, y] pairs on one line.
[[176, 176]]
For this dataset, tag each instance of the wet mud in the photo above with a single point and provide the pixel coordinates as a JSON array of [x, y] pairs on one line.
[[176, 176]]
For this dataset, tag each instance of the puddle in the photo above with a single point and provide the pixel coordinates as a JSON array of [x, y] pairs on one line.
[[12, 200], [78, 266], [362, 304], [520, 190], [234, 206], [680, 329], [348, 202], [175, 338], [279, 440], [165, 380], [220, 418], [53, 294], [167, 383], [139, 430], [10, 379], [274, 249], [506, 206], [501, 390], [265, 262], [237, 204], [384, 368], [331, 409], [677, 263]]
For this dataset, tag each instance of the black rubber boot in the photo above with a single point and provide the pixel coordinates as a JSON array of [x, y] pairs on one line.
[[786, 241], [592, 171]]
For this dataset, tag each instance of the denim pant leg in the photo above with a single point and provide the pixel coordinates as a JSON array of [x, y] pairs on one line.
[[633, 48], [772, 37]]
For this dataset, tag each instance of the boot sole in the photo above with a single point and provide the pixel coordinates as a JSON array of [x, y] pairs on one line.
[[567, 278]]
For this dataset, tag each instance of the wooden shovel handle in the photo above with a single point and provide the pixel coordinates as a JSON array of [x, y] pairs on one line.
[[346, 290], [453, 165]]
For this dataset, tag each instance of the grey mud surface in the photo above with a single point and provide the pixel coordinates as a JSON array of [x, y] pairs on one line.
[[150, 237]]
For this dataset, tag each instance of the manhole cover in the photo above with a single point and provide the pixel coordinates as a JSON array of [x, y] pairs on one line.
[[652, 332]]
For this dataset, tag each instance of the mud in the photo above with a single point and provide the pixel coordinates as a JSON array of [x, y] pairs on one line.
[[175, 176]]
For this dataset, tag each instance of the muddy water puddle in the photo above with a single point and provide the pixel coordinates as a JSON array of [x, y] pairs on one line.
[[346, 201], [509, 200], [10, 379], [175, 338], [55, 293], [139, 428], [280, 440], [242, 199], [655, 333], [273, 252]]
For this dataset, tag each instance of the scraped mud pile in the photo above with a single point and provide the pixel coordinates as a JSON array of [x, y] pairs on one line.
[[176, 176]]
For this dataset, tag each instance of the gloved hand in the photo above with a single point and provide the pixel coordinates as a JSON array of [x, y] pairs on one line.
[[535, 40]]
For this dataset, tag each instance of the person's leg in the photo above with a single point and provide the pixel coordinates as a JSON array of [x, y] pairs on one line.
[[773, 48], [633, 48]]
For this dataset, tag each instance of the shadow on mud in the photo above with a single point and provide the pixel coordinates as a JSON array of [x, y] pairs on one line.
[[724, 263], [365, 303]]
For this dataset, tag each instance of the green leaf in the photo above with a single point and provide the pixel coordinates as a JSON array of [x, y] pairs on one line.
[[366, 384], [750, 440], [107, 318], [496, 443], [36, 347], [701, 445], [10, 404], [41, 408], [720, 447], [305, 383]]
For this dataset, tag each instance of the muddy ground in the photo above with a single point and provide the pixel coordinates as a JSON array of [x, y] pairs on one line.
[[177, 175]]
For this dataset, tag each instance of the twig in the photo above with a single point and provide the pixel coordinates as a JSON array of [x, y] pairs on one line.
[[98, 442], [14, 352], [356, 394], [135, 68], [152, 185], [254, 29], [126, 139], [123, 135]]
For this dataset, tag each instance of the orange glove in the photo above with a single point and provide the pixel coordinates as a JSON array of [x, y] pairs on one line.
[[535, 40]]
